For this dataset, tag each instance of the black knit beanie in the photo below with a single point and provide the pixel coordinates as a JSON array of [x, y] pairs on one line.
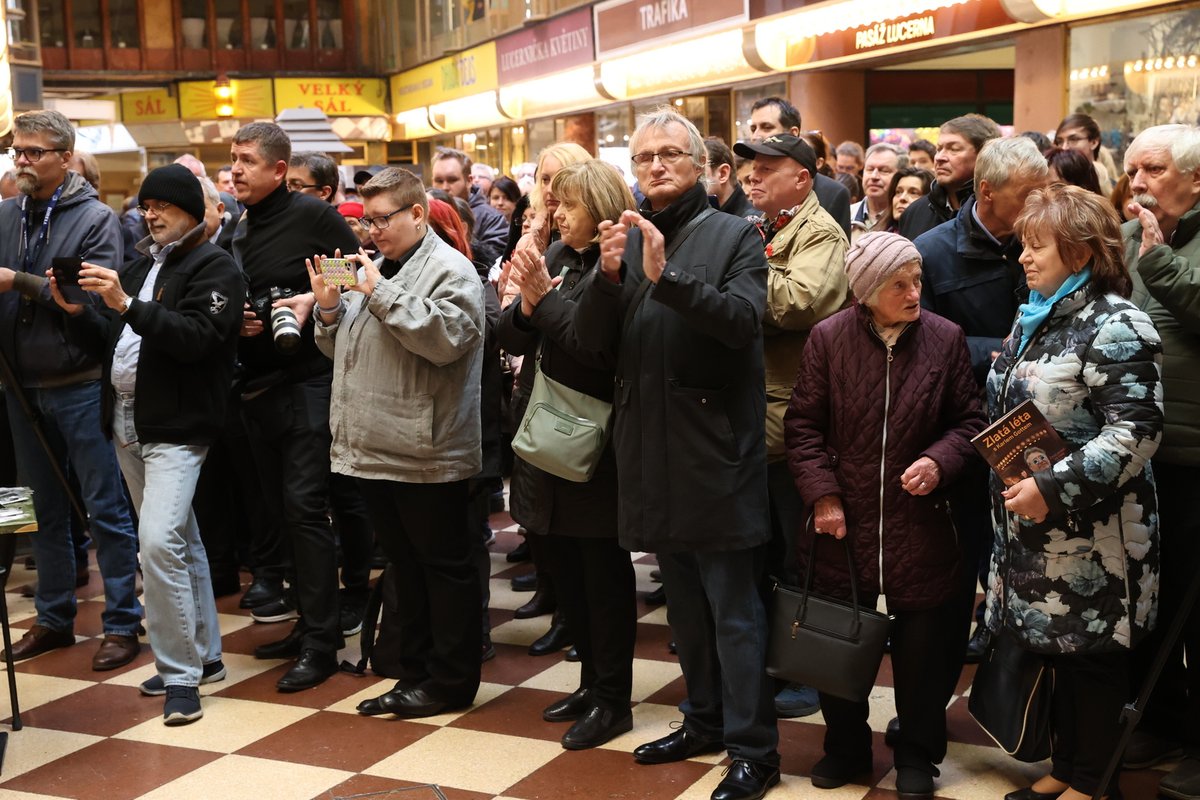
[[174, 184]]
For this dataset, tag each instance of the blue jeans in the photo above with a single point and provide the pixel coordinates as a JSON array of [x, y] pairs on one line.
[[70, 417], [180, 610]]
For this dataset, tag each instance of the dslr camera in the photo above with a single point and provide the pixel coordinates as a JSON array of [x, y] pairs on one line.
[[282, 322]]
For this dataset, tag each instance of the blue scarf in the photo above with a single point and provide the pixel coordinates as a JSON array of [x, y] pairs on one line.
[[1033, 313]]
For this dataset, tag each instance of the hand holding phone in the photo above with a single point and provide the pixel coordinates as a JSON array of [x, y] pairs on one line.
[[340, 272], [66, 275]]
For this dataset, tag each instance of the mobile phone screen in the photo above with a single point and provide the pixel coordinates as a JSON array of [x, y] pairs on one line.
[[339, 271], [66, 274]]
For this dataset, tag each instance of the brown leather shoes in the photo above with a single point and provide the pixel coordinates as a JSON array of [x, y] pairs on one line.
[[116, 650], [40, 639]]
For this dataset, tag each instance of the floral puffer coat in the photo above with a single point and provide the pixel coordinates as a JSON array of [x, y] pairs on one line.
[[1086, 579]]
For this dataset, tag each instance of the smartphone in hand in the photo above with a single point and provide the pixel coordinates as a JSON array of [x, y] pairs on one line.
[[66, 275], [339, 271]]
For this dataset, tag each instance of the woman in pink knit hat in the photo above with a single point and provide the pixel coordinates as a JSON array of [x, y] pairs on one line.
[[879, 427]]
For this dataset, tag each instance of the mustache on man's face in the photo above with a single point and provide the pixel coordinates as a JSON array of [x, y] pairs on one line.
[[1145, 200]]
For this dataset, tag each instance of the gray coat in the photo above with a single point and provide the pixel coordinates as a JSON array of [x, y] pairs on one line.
[[689, 404], [406, 367]]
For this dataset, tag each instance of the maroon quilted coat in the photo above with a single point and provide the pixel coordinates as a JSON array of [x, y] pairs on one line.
[[837, 438]]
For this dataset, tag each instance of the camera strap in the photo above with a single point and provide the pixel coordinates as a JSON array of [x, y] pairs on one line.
[[34, 249]]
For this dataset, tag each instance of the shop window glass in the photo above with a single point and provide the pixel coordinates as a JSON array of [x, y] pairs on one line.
[[229, 25], [329, 24], [86, 16], [297, 25], [50, 17], [193, 24], [263, 35], [1135, 73], [123, 23]]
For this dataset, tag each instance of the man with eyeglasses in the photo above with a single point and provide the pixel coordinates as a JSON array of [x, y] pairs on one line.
[[59, 215], [168, 333], [691, 455], [313, 173], [959, 143], [285, 397]]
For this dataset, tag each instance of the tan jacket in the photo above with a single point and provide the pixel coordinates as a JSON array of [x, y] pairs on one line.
[[806, 283]]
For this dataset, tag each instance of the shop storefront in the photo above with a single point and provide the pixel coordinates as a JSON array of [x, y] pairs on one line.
[[1132, 72]]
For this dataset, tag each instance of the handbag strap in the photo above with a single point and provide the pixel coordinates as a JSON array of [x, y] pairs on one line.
[[644, 286], [808, 574]]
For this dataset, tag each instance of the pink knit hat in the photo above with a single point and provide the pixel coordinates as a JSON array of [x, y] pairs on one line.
[[874, 257]]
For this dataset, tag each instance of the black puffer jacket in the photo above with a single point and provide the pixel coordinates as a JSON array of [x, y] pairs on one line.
[[860, 415], [540, 501]]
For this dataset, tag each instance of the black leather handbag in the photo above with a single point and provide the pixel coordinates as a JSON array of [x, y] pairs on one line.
[[1011, 696], [828, 644]]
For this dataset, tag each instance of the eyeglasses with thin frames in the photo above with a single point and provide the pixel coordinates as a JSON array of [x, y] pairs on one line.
[[296, 186], [158, 208], [669, 156], [32, 154], [381, 222]]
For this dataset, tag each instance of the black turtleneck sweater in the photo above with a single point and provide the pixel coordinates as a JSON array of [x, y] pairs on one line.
[[270, 245]]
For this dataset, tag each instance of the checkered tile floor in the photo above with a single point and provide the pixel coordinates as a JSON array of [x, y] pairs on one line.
[[92, 735]]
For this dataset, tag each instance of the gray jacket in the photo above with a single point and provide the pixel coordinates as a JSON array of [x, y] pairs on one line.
[[406, 371], [33, 332]]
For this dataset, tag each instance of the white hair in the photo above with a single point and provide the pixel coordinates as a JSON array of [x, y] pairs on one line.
[[1001, 160], [1181, 141], [664, 116], [887, 147], [211, 195]]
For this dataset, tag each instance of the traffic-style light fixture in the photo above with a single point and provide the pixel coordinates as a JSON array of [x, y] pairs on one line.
[[223, 94]]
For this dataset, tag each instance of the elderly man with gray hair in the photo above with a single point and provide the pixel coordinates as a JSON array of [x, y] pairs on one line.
[[972, 276], [681, 291], [1163, 254]]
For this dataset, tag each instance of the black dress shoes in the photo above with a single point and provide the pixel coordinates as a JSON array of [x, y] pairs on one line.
[[656, 597], [287, 647], [312, 669], [553, 640], [978, 646], [542, 602], [261, 592], [675, 746], [519, 553], [570, 708], [746, 780], [373, 707], [596, 727], [415, 702], [833, 771], [524, 583], [892, 735]]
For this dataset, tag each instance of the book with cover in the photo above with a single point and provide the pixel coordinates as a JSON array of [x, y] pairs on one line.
[[1020, 443]]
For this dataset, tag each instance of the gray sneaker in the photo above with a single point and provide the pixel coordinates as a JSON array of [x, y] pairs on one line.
[[154, 687], [182, 705]]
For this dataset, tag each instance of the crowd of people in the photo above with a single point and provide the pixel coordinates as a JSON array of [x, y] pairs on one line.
[[796, 341]]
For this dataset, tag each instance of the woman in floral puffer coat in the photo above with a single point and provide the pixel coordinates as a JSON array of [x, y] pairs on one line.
[[1075, 563]]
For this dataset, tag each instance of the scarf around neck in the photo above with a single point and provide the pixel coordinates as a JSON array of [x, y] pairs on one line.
[[1034, 312]]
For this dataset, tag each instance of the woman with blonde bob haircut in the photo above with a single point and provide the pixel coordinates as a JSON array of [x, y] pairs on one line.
[[573, 526], [1075, 559]]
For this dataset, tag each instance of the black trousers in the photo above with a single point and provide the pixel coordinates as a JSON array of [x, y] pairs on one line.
[[596, 589], [355, 536], [1174, 708], [927, 646], [719, 624], [788, 518], [290, 423], [425, 532], [1089, 692]]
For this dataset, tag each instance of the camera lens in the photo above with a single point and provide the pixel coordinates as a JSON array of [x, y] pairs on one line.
[[285, 329]]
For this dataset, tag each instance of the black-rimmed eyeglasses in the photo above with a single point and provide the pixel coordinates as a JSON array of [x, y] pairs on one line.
[[382, 221]]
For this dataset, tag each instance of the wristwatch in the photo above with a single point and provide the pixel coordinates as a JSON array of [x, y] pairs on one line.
[[126, 303]]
